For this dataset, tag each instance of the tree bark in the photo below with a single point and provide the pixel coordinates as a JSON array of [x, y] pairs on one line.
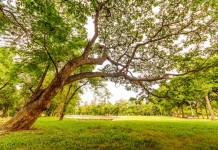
[[61, 103], [62, 113], [64, 105], [39, 102], [25, 118], [206, 111], [202, 113], [183, 115], [209, 107], [196, 111]]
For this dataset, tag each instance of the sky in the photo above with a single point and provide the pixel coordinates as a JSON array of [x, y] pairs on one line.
[[117, 93]]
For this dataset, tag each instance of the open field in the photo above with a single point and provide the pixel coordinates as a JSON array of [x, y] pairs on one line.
[[124, 133]]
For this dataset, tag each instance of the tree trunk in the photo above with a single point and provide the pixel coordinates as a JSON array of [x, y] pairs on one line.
[[191, 110], [25, 118], [60, 105], [209, 107], [196, 111], [206, 111], [202, 113], [38, 102], [183, 115], [61, 116], [65, 102], [62, 112], [41, 98]]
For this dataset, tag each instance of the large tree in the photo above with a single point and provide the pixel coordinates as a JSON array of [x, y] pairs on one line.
[[134, 41]]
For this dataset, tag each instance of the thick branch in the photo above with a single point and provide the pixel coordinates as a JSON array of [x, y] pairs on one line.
[[95, 36], [74, 93], [111, 75], [68, 91], [97, 61]]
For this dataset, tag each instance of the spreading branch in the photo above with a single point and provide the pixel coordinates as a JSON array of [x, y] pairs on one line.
[[96, 31], [74, 93], [49, 55], [133, 79], [14, 20], [193, 70], [111, 75], [68, 91], [152, 93]]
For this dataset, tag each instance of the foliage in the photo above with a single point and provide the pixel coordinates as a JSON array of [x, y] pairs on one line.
[[121, 107], [189, 90], [8, 92]]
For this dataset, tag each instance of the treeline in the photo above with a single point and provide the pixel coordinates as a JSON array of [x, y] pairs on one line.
[[194, 95], [121, 107], [158, 108]]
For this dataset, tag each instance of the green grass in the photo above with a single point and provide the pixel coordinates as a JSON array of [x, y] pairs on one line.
[[132, 133]]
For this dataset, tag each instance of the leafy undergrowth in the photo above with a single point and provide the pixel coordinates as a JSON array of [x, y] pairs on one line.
[[153, 133]]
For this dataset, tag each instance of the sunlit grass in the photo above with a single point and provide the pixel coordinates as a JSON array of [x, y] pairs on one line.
[[132, 133]]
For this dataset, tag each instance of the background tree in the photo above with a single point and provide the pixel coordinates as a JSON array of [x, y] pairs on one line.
[[192, 90]]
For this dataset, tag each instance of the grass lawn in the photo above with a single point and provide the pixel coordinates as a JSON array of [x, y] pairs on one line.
[[125, 133]]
